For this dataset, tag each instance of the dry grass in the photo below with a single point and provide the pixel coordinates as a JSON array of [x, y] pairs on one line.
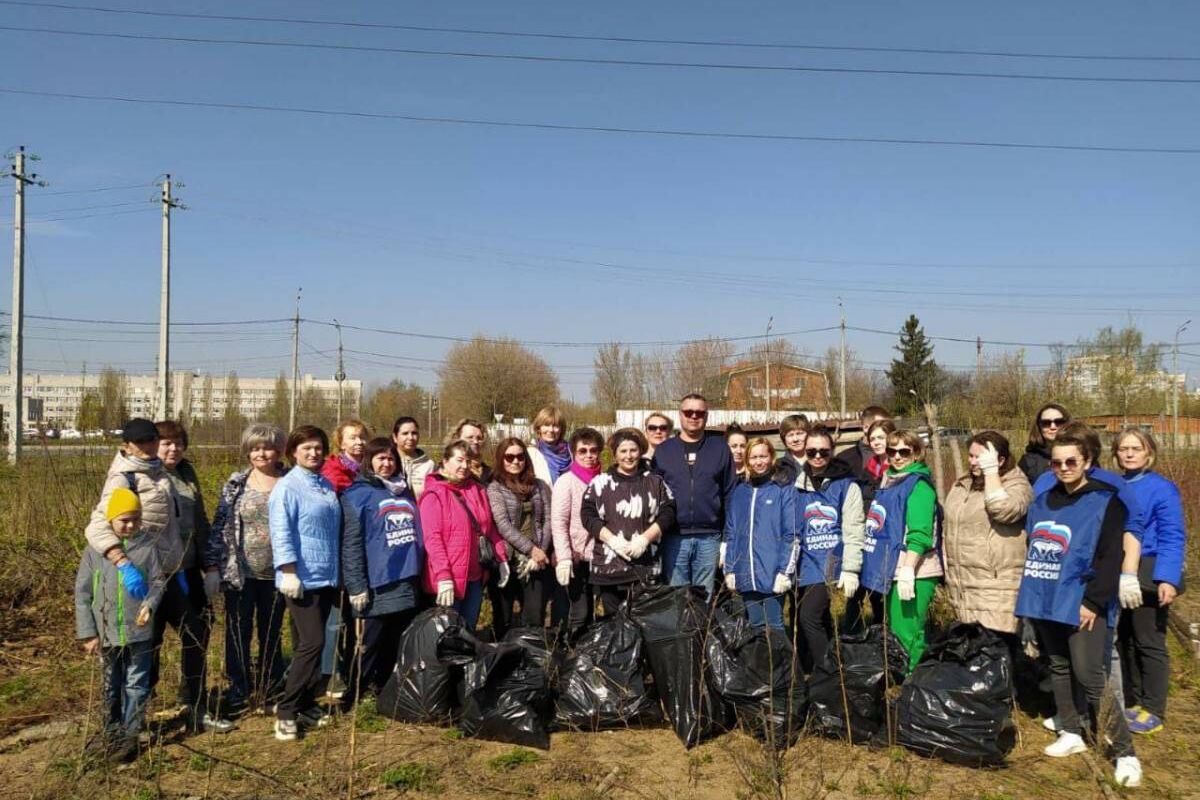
[[44, 680]]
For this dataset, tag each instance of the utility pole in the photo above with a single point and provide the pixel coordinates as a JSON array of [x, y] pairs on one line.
[[164, 313], [1175, 385], [340, 375], [295, 362], [16, 345], [767, 342], [842, 369], [978, 363]]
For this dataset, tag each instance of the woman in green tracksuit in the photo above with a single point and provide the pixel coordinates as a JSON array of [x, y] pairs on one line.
[[900, 548]]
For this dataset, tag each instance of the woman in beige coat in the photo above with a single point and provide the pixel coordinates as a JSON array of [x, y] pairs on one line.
[[984, 537]]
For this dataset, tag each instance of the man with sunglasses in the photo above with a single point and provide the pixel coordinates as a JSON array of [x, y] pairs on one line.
[[698, 470]]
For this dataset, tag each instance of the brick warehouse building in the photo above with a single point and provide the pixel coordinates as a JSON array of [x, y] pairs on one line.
[[792, 386]]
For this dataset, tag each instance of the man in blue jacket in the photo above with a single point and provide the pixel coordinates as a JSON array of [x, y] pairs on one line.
[[699, 472]]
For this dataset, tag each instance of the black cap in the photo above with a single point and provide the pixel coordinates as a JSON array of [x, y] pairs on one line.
[[138, 430]]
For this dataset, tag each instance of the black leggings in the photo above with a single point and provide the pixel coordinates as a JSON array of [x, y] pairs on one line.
[[309, 615], [191, 616], [853, 618], [1145, 665], [812, 625]]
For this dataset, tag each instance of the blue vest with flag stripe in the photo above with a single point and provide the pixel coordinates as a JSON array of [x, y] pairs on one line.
[[1058, 564], [821, 536], [883, 534]]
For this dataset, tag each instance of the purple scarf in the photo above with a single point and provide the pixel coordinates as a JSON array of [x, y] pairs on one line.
[[349, 463], [584, 474], [557, 455]]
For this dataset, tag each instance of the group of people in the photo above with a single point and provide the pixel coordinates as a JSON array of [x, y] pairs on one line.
[[353, 543]]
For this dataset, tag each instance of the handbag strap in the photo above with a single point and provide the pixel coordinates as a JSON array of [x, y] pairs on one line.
[[474, 522]]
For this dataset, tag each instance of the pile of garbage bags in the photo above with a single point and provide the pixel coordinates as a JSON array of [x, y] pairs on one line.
[[670, 653]]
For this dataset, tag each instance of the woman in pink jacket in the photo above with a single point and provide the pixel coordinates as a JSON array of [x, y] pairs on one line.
[[572, 542], [454, 514]]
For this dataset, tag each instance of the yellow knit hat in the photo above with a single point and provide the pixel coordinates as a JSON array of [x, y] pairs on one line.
[[122, 501]]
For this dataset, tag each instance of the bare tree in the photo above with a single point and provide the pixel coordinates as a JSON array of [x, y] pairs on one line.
[[483, 377], [619, 380], [394, 399], [698, 368]]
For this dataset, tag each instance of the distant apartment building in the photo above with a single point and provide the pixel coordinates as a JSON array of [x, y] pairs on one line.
[[1089, 375], [54, 400]]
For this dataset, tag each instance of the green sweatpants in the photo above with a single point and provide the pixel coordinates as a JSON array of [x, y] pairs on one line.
[[906, 618]]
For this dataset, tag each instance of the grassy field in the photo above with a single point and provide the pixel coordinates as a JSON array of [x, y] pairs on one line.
[[48, 705]]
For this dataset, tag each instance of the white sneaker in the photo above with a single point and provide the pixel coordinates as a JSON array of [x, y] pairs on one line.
[[1067, 744], [1051, 724], [286, 730], [1128, 772]]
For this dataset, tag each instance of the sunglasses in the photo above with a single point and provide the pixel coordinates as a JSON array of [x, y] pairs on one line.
[[903, 452], [692, 413], [814, 452], [513, 458], [657, 428], [1064, 463], [1057, 422], [587, 451]]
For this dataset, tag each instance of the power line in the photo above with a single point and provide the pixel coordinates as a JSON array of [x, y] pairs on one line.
[[613, 39], [154, 324], [32, 220], [561, 127], [608, 62], [98, 189]]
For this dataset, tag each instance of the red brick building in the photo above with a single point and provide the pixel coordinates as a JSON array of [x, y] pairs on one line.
[[793, 387]]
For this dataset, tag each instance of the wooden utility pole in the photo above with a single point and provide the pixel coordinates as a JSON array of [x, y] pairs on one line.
[[767, 342], [295, 363], [1175, 385], [164, 312], [340, 375], [16, 345], [842, 367]]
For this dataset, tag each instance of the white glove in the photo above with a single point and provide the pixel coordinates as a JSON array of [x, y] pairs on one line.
[[212, 583], [637, 545], [731, 581], [290, 585], [848, 583], [359, 602], [906, 583], [989, 459], [782, 584], [505, 573], [1130, 591], [620, 546], [563, 572], [445, 593], [525, 566], [721, 556]]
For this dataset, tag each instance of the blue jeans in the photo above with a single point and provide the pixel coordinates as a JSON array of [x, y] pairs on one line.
[[691, 560], [126, 687], [469, 606], [764, 610]]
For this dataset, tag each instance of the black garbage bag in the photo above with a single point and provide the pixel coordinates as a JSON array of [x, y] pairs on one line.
[[600, 685], [424, 683], [860, 684], [754, 670], [956, 704], [674, 622], [506, 692]]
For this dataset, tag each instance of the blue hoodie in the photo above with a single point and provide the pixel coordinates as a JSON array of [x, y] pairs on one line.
[[762, 534], [701, 490], [1135, 519], [1166, 535]]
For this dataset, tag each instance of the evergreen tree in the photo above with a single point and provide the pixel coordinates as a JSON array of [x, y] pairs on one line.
[[915, 372]]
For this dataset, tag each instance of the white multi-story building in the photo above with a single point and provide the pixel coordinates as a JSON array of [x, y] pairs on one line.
[[54, 400], [1090, 374]]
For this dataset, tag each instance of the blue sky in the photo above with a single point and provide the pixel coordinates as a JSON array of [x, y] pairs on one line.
[[571, 236]]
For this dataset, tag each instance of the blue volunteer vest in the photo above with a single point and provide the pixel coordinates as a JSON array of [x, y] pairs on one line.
[[392, 539], [883, 535], [821, 536], [1058, 564]]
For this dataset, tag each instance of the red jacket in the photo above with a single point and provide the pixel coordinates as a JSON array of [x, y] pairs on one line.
[[451, 552], [338, 473]]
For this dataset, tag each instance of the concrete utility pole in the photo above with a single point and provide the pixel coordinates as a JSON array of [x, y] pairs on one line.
[[1175, 385], [978, 363], [767, 342], [16, 345], [340, 375], [842, 369], [164, 313], [295, 363]]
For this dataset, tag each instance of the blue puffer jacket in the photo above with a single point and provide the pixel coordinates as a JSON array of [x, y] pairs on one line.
[[701, 491], [306, 527], [762, 529], [1135, 519], [1165, 536]]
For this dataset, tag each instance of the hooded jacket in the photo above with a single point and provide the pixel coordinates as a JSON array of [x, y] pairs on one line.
[[700, 490], [762, 534], [851, 516], [1135, 516], [160, 509], [1036, 461], [103, 607], [984, 547], [306, 528], [451, 549], [382, 548], [417, 468]]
